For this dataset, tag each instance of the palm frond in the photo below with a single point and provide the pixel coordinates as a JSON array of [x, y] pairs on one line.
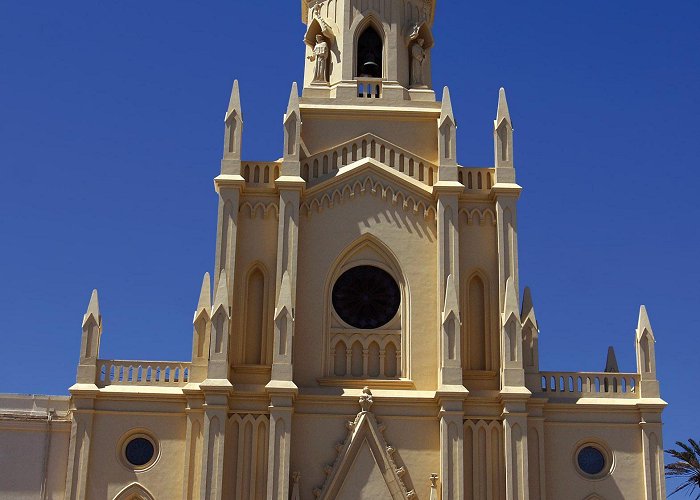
[[686, 468]]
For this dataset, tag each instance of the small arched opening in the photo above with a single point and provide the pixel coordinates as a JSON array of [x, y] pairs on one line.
[[370, 51]]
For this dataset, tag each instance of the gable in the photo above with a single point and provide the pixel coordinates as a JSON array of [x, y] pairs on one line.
[[364, 480]]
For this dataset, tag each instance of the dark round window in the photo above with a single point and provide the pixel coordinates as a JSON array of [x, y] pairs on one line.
[[139, 451], [591, 460], [366, 297]]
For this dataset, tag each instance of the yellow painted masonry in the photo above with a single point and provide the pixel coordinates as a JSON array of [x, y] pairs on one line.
[[363, 334]]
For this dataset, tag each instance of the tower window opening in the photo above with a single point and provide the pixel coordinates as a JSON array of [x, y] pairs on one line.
[[369, 54]]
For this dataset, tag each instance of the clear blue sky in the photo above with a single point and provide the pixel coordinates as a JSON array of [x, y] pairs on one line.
[[111, 133]]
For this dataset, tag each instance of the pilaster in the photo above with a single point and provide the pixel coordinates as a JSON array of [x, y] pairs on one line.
[[216, 405], [653, 454], [452, 447], [279, 455], [83, 403], [516, 446], [194, 449]]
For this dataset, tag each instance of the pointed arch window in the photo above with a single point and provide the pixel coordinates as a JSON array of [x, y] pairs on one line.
[[370, 52]]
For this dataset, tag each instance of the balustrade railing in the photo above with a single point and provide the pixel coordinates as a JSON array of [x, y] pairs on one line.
[[260, 174], [590, 385], [476, 179], [369, 88], [326, 164], [153, 373]]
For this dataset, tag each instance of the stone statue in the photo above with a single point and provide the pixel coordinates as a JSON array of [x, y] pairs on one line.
[[320, 55], [417, 58]]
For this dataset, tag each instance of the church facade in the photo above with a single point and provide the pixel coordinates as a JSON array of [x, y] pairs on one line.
[[363, 335]]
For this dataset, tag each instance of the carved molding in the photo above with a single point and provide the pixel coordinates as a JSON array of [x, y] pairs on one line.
[[366, 429], [253, 210], [480, 214], [350, 190]]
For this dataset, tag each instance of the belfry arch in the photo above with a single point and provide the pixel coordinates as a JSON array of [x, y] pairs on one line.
[[389, 342], [369, 48]]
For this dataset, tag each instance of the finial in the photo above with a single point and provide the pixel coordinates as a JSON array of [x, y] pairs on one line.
[[221, 299], [446, 111], [644, 323], [366, 400], [611, 363], [503, 113], [510, 305], [293, 105], [528, 308], [234, 103], [204, 303], [93, 309]]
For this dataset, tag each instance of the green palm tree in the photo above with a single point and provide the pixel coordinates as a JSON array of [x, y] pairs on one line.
[[687, 466]]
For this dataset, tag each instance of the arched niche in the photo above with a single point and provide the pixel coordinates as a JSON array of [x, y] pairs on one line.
[[476, 323], [134, 492], [256, 330], [420, 31], [368, 250]]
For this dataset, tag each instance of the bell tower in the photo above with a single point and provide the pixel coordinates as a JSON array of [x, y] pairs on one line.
[[368, 48]]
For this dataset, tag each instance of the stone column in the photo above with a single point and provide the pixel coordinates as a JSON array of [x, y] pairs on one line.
[[215, 419]]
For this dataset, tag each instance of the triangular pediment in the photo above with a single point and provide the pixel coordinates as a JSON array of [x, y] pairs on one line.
[[365, 468]]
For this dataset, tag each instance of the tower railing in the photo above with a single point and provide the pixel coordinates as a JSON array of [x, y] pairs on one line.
[[589, 385], [149, 373], [369, 88]]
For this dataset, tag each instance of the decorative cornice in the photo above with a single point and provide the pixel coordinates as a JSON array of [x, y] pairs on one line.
[[350, 190]]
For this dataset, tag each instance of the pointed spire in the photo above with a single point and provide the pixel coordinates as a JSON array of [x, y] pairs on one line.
[[451, 301], [644, 323], [204, 304], [293, 105], [503, 113], [93, 309], [234, 103], [528, 309], [284, 302], [446, 111], [221, 299], [611, 365], [510, 306]]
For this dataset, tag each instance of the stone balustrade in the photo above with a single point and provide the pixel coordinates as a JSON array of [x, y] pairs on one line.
[[151, 373], [326, 164], [369, 88], [589, 385], [476, 180], [260, 174]]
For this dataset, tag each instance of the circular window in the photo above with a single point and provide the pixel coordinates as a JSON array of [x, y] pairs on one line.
[[366, 297], [592, 461], [138, 451]]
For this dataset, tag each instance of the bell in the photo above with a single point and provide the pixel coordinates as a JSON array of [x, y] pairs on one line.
[[370, 68]]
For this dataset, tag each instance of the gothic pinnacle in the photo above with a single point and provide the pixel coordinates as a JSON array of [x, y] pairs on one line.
[[528, 308], [611, 365], [221, 299], [204, 303], [293, 105], [234, 104], [446, 111], [644, 323], [503, 113], [93, 309]]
